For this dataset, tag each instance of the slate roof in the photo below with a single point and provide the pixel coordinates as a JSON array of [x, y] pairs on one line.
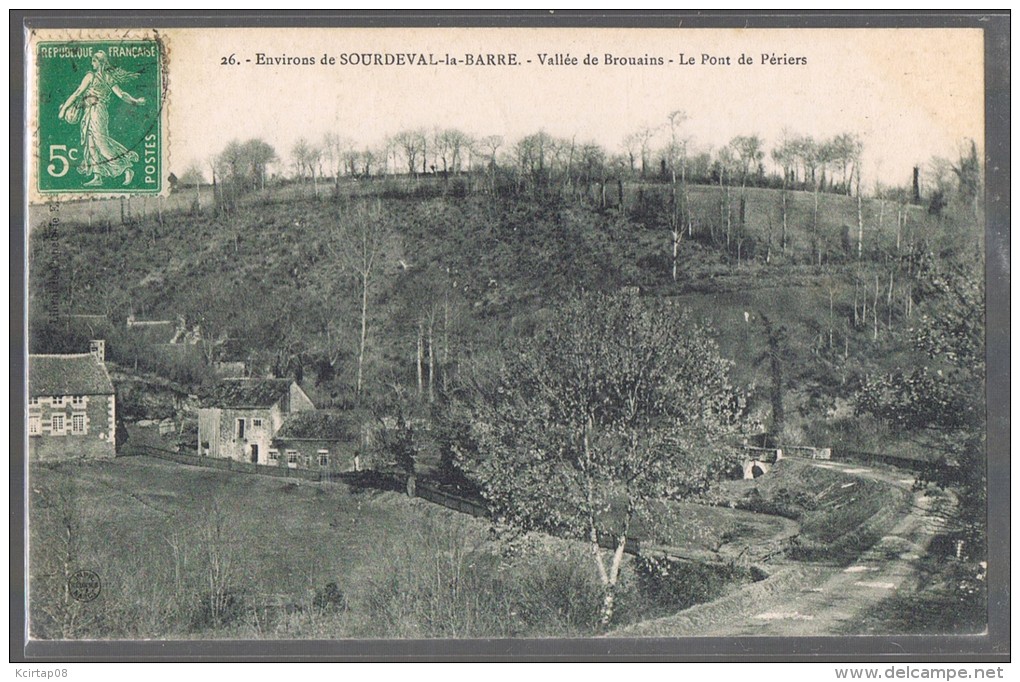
[[318, 425], [82, 374], [262, 393]]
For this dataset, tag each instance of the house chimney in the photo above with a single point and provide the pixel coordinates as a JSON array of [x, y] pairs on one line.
[[98, 348]]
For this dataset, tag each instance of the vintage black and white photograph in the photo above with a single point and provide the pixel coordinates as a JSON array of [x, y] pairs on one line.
[[489, 333]]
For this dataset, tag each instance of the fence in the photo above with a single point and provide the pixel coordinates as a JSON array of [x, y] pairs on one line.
[[422, 489], [459, 504], [808, 451], [859, 456], [878, 458], [224, 464], [770, 455]]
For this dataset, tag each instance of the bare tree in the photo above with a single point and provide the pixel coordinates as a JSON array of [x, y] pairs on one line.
[[307, 158], [491, 145], [726, 168], [632, 148], [335, 152], [449, 146], [644, 137], [811, 155], [785, 156], [192, 176], [412, 144], [357, 242], [676, 155], [534, 155], [749, 153]]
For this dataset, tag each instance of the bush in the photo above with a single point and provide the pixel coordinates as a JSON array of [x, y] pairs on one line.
[[790, 504], [951, 599], [666, 587], [447, 582], [221, 609], [557, 595], [330, 597]]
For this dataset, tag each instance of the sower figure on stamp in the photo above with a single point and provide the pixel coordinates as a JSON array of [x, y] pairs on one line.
[[102, 156]]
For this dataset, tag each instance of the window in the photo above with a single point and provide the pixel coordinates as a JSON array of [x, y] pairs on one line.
[[33, 401], [240, 429], [256, 423], [323, 458], [34, 425], [78, 423], [292, 458], [58, 400], [78, 400], [57, 423], [274, 456]]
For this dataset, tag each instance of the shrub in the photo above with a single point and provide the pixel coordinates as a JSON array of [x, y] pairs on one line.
[[330, 597], [951, 599], [449, 582], [670, 586]]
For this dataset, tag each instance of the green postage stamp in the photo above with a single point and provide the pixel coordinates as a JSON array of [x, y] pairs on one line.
[[99, 116]]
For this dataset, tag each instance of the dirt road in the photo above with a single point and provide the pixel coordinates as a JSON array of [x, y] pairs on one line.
[[811, 599]]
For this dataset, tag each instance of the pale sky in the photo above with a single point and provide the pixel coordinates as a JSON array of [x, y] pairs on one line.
[[909, 93]]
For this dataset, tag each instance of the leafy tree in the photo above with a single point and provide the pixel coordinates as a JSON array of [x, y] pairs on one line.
[[749, 152], [620, 402], [405, 434], [244, 164], [777, 354], [643, 139], [257, 155]]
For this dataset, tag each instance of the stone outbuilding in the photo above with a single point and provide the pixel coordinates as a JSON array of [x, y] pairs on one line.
[[72, 411], [239, 417], [318, 440]]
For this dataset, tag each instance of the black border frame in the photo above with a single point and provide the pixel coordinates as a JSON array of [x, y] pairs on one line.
[[993, 646]]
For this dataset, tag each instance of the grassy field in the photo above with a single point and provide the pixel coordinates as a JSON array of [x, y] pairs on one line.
[[187, 552]]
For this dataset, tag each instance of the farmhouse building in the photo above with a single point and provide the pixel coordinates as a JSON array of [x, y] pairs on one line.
[[317, 439], [239, 418], [71, 408]]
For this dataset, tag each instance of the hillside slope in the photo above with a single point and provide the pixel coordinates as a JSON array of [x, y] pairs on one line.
[[459, 273]]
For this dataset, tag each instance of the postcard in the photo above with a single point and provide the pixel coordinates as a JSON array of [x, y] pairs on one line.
[[494, 333]]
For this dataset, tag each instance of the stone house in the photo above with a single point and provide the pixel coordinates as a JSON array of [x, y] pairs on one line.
[[318, 439], [239, 417], [72, 411]]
